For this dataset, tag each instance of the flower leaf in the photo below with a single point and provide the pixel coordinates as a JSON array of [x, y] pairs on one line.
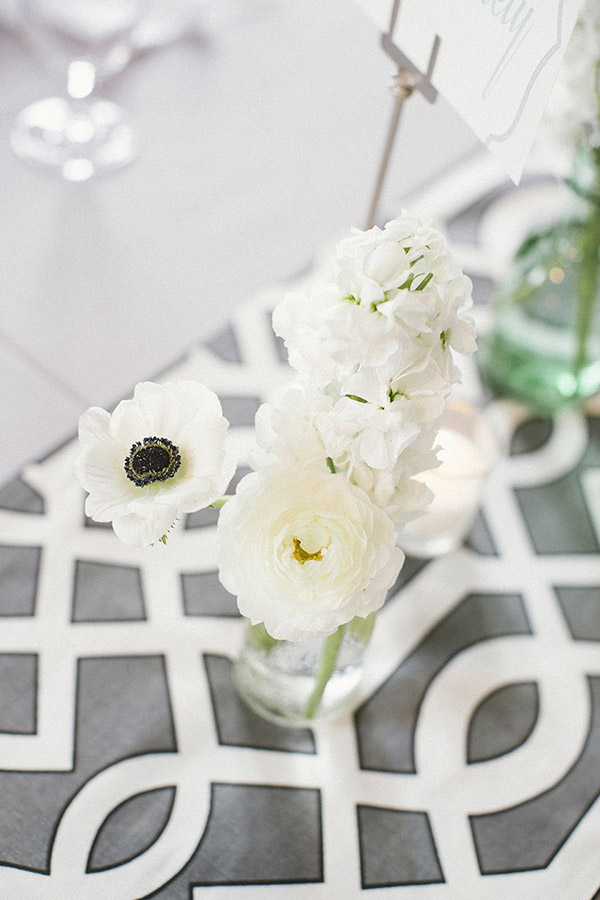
[[407, 285], [425, 282]]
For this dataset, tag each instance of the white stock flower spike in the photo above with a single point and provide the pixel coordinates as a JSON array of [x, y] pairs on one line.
[[374, 348], [394, 298], [159, 455]]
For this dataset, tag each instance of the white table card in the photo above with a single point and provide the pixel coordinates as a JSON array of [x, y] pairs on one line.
[[496, 63]]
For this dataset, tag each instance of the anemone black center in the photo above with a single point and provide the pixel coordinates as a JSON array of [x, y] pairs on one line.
[[152, 459]]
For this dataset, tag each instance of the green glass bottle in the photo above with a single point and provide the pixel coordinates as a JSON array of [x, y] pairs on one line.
[[544, 345]]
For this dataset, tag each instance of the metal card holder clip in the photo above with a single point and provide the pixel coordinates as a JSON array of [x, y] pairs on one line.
[[407, 79]]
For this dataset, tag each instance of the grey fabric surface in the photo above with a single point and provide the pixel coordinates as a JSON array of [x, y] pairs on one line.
[[257, 834], [18, 697], [386, 723], [286, 847], [20, 496], [19, 568], [123, 710], [503, 721], [396, 848], [107, 593], [529, 836], [237, 725]]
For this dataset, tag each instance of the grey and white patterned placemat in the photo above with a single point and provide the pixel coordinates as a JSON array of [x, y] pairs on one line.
[[471, 770]]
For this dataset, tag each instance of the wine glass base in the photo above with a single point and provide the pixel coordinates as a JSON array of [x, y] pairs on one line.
[[78, 139]]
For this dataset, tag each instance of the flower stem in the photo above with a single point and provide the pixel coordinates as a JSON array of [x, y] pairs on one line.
[[587, 285], [217, 504], [586, 183], [331, 650], [261, 637]]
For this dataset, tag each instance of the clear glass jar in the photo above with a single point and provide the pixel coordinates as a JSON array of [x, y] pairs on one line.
[[544, 346], [295, 683]]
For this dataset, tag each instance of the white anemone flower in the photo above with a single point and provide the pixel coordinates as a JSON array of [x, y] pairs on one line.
[[159, 455], [305, 551]]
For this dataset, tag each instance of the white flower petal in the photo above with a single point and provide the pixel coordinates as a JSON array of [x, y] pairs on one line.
[[139, 531], [104, 507], [94, 425]]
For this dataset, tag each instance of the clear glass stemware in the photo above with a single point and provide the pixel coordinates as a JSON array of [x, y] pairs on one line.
[[84, 42]]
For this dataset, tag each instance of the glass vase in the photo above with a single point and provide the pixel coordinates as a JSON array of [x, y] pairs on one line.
[[295, 683], [544, 346]]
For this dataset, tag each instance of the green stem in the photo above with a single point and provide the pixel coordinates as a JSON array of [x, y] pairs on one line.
[[331, 651], [587, 286], [261, 638], [217, 504], [586, 183]]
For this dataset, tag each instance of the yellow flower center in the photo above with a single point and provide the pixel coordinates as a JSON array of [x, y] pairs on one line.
[[301, 556]]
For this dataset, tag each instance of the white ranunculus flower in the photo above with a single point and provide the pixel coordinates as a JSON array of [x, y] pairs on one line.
[[305, 551], [159, 455]]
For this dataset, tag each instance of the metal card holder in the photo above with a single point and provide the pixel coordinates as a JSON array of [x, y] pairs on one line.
[[407, 79]]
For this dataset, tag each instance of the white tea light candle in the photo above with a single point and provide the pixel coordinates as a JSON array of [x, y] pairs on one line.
[[468, 450]]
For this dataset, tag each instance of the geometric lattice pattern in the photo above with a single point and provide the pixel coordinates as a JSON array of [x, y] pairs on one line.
[[129, 768]]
